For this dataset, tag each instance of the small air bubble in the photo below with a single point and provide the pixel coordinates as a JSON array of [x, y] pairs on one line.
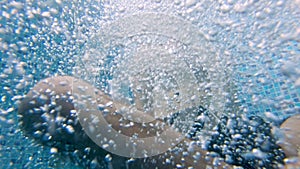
[[237, 136], [87, 150], [63, 83], [141, 6], [168, 161], [43, 97], [10, 121], [190, 3], [258, 153], [70, 129], [177, 2], [73, 111], [46, 14], [37, 134], [6, 15], [108, 104], [58, 1], [3, 112], [225, 8], [2, 119], [197, 156], [185, 153], [179, 166], [291, 160], [15, 4], [53, 150], [3, 98], [108, 158], [10, 110], [122, 9], [94, 163], [105, 146], [101, 106]]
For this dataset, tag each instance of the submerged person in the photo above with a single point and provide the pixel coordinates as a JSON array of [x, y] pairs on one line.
[[49, 115]]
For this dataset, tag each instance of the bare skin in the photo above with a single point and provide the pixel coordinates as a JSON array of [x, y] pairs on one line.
[[291, 144], [58, 91]]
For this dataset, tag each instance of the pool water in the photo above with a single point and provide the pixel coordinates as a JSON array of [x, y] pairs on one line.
[[230, 56]]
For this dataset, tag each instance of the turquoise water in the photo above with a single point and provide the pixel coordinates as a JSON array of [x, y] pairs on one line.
[[255, 49]]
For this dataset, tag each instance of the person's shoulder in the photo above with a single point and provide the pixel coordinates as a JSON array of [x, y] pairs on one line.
[[291, 131]]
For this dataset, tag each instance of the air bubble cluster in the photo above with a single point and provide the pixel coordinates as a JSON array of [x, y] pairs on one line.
[[246, 142]]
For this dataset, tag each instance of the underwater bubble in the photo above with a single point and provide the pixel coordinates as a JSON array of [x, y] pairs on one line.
[[87, 150], [292, 160], [108, 158], [53, 150], [258, 153], [70, 129], [190, 3], [46, 14], [94, 163], [179, 166]]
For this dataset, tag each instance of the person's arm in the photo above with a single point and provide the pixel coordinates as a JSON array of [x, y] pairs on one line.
[[58, 93], [48, 108]]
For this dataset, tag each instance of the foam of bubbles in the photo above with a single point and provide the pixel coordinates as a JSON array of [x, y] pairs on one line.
[[156, 64]]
